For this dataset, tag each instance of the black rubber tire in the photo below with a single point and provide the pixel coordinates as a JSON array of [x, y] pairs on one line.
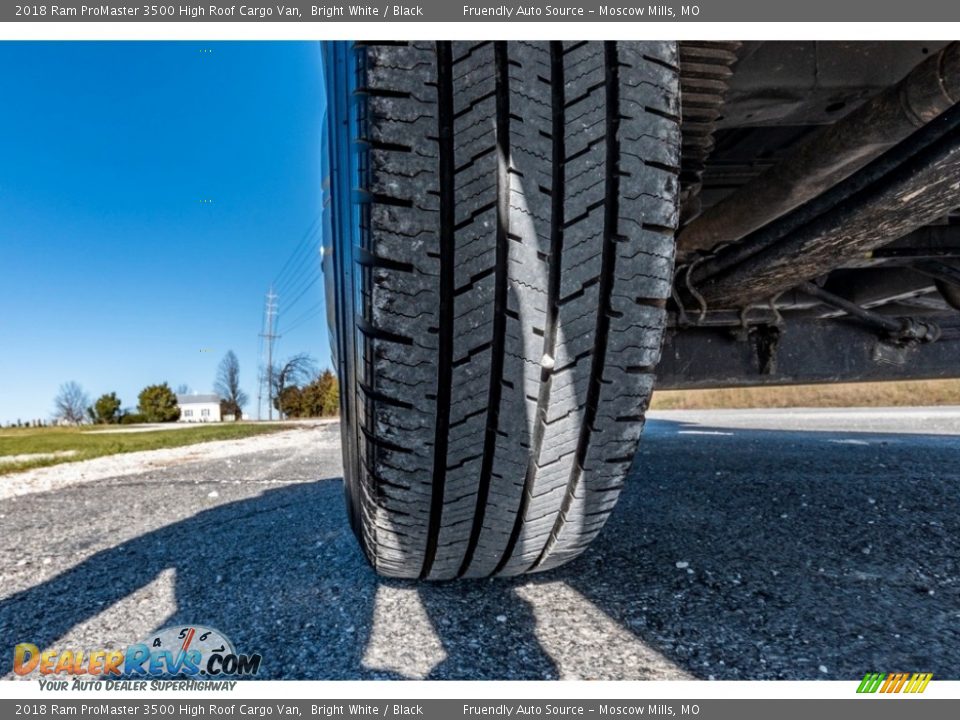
[[517, 253]]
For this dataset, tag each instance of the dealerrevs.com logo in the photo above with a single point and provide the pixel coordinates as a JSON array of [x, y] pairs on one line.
[[192, 651]]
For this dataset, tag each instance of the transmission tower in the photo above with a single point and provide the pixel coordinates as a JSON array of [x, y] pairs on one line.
[[269, 336]]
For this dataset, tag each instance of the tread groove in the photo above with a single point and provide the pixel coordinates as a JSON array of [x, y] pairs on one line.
[[502, 93], [557, 198], [447, 268], [608, 266]]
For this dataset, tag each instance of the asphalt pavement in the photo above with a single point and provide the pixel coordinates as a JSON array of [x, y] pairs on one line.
[[747, 545]]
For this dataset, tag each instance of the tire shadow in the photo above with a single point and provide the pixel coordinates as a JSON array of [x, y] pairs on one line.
[[266, 571], [487, 632], [281, 575]]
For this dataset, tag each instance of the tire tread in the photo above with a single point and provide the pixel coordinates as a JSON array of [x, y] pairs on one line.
[[523, 197]]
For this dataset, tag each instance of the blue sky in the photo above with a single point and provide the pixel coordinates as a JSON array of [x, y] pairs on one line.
[[114, 272]]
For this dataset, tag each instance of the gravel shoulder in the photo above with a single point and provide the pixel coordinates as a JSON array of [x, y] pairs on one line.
[[135, 463]]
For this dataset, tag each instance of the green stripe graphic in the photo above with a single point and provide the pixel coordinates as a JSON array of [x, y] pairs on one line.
[[871, 682]]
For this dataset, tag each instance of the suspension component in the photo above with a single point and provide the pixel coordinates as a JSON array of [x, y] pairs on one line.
[[898, 329], [705, 71], [912, 185], [831, 154]]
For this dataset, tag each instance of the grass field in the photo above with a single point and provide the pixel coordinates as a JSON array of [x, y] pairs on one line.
[[880, 394], [52, 446]]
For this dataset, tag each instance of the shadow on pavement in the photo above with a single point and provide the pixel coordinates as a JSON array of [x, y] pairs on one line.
[[256, 569], [278, 580], [744, 554]]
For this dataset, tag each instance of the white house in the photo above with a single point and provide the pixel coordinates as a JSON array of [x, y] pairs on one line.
[[199, 408]]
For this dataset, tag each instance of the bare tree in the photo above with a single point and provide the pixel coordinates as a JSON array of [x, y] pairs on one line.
[[295, 371], [71, 403], [227, 385]]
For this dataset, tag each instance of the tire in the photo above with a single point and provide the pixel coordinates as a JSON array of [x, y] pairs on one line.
[[501, 291]]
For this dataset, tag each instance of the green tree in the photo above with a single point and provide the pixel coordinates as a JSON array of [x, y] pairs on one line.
[[292, 373], [331, 398], [311, 399], [106, 409], [329, 394], [158, 403], [321, 398], [290, 401]]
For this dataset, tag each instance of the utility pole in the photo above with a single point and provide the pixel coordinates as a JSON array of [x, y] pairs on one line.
[[269, 337]]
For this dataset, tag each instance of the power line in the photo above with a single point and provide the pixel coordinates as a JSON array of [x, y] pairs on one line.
[[301, 320], [302, 323], [294, 290], [303, 263], [298, 274], [308, 268], [303, 292], [298, 248], [308, 311]]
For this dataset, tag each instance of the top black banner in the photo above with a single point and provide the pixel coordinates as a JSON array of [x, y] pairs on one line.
[[480, 11]]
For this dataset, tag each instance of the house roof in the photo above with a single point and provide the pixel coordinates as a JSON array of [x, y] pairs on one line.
[[197, 399]]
